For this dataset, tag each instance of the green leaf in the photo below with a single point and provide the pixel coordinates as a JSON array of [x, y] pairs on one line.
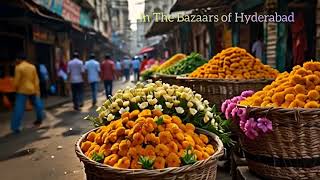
[[189, 156], [146, 162], [160, 121], [98, 157]]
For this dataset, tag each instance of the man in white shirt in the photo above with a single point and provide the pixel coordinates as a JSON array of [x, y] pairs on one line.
[[93, 71], [257, 48], [76, 71]]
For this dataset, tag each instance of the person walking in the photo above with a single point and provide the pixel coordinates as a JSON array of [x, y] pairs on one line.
[[107, 74], [26, 83], [119, 70], [62, 78], [126, 64], [76, 71], [44, 80], [92, 67], [136, 68]]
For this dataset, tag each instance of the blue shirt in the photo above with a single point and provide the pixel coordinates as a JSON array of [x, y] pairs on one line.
[[75, 69], [93, 68], [136, 64]]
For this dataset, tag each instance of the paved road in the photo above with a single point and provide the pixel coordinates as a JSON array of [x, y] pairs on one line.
[[47, 153]]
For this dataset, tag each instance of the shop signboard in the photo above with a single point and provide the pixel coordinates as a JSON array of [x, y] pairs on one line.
[[71, 11], [42, 35], [85, 19], [53, 5], [56, 6]]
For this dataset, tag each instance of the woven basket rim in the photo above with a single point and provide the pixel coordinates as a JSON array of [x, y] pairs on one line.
[[226, 80], [169, 75], [172, 170], [315, 111]]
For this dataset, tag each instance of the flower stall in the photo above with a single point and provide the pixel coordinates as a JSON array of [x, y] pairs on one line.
[[183, 66], [227, 74], [152, 131], [279, 125]]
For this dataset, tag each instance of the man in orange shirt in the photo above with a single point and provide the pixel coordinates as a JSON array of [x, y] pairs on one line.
[[107, 74], [26, 82]]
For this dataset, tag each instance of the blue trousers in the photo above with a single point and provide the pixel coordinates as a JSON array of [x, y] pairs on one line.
[[77, 94], [94, 91], [19, 109], [108, 87]]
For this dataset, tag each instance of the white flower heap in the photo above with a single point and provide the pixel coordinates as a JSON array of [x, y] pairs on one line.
[[170, 99]]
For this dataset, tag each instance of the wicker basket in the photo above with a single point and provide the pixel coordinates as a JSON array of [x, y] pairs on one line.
[[291, 150], [218, 90], [170, 79], [201, 170]]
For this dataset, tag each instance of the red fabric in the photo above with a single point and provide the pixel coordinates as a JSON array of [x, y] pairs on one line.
[[143, 65], [107, 70], [146, 50], [299, 40]]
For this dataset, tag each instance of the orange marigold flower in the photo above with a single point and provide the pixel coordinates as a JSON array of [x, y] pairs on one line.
[[91, 136], [145, 113], [204, 138], [137, 138], [124, 145], [198, 154], [159, 163], [123, 163], [111, 160], [150, 151], [173, 147], [176, 120], [135, 164], [173, 160], [162, 150], [190, 127], [85, 146], [134, 114], [311, 104], [125, 114], [165, 137]]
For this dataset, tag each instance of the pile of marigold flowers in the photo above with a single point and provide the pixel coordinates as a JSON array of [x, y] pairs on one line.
[[234, 63], [299, 89], [168, 99], [147, 140]]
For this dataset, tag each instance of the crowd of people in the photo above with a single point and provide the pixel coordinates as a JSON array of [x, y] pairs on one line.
[[31, 83]]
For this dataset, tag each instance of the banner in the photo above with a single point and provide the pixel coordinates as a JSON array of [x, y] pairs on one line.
[[85, 19], [71, 11]]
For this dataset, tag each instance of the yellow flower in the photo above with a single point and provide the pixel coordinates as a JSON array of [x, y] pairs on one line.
[[206, 119], [193, 111], [110, 117], [169, 105], [126, 103], [143, 105], [189, 104], [152, 101]]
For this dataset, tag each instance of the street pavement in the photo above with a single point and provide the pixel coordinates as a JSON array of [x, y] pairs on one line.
[[48, 153]]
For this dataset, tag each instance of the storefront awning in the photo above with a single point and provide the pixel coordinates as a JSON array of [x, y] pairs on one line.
[[182, 5], [146, 50]]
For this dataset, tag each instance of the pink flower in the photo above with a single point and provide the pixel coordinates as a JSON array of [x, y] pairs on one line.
[[247, 93], [264, 124], [235, 99], [225, 105], [250, 129], [242, 124], [242, 113], [234, 112], [229, 109]]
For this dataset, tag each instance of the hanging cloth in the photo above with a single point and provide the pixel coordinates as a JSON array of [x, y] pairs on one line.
[[299, 40]]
